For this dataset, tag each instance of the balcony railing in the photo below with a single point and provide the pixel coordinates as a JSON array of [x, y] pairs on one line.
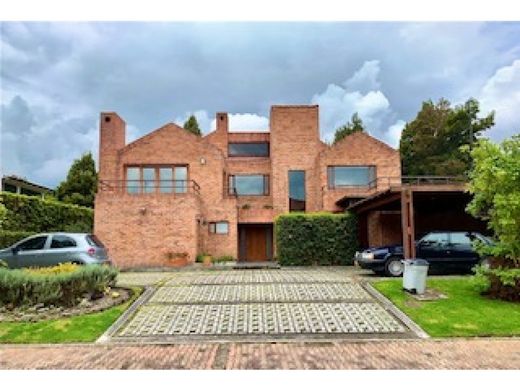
[[144, 187]]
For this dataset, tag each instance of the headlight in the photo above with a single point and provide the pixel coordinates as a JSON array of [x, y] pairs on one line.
[[367, 256]]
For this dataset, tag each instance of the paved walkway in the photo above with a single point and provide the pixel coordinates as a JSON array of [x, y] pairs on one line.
[[254, 305], [395, 354]]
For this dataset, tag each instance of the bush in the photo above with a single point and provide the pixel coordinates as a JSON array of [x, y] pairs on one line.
[[21, 288], [316, 238], [54, 270], [223, 259], [8, 238], [31, 213], [501, 283]]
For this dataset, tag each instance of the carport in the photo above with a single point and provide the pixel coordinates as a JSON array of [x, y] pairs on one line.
[[404, 212]]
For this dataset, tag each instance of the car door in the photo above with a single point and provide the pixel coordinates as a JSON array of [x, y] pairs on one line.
[[461, 251], [61, 250], [30, 251], [433, 247]]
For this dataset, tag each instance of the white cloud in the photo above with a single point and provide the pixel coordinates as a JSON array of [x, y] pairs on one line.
[[393, 135], [502, 94], [338, 104]]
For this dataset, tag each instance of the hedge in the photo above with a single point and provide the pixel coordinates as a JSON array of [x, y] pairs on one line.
[[22, 288], [32, 214], [8, 238], [316, 238]]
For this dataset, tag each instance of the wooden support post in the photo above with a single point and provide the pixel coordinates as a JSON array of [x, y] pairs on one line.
[[408, 223]]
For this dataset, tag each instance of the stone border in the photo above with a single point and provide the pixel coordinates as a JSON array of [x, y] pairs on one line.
[[389, 306], [112, 330]]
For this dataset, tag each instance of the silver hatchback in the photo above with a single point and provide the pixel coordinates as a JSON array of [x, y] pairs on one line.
[[48, 249]]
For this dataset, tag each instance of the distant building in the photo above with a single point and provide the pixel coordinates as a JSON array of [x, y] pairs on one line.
[[19, 185]]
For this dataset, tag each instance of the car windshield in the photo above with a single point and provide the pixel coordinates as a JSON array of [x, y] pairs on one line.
[[94, 241]]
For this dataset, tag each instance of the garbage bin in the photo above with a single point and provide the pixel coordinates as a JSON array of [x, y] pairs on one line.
[[414, 275]]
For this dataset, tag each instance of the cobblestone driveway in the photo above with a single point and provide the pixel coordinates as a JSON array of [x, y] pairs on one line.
[[255, 304]]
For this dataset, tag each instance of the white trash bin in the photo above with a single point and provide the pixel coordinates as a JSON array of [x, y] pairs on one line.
[[414, 275]]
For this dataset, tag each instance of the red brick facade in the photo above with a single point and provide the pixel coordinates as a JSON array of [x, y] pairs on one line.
[[159, 229]]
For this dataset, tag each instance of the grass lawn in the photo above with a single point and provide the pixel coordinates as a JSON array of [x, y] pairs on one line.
[[81, 328], [464, 313]]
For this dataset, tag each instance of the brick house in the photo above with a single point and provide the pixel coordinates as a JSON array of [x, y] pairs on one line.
[[171, 193]]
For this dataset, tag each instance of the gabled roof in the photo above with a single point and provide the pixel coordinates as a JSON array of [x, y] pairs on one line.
[[362, 134]]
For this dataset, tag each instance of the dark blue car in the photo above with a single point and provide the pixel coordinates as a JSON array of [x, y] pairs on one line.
[[445, 251]]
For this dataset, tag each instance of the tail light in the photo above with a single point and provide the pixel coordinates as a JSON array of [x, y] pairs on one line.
[[91, 251]]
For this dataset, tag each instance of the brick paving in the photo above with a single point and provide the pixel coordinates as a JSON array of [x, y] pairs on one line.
[[388, 354], [263, 304]]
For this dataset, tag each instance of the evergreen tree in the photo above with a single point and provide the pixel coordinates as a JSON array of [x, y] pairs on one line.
[[432, 144], [81, 184], [355, 125], [192, 125]]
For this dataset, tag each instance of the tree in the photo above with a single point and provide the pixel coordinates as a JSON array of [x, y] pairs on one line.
[[495, 185], [355, 125], [431, 143], [81, 184], [192, 125]]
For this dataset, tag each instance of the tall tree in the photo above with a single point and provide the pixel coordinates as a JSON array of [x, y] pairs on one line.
[[355, 125], [192, 125], [81, 184], [432, 143]]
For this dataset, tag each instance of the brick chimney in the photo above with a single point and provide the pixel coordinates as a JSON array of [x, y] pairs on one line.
[[112, 133], [222, 122]]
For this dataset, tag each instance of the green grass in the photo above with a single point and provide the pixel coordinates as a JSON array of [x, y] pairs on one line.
[[81, 328], [464, 313]]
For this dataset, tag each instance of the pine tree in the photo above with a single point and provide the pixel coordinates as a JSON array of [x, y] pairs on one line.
[[355, 125], [192, 125], [81, 184]]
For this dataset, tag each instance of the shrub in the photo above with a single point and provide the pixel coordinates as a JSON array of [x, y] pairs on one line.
[[223, 259], [502, 283], [54, 270], [316, 238], [31, 213], [8, 238], [20, 287]]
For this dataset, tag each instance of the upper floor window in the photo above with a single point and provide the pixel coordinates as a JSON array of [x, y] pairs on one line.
[[151, 179], [350, 176], [296, 190], [248, 149], [249, 185]]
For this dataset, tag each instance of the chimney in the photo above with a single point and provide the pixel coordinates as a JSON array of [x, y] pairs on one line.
[[112, 134], [222, 122]]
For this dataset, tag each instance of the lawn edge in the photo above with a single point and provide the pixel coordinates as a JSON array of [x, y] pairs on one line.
[[392, 308]]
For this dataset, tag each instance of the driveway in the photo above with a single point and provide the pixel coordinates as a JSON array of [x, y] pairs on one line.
[[256, 305]]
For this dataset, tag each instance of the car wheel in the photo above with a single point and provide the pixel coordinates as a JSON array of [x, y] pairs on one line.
[[394, 267]]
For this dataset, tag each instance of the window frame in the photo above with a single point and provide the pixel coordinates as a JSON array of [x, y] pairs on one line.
[[331, 176], [157, 188], [212, 227], [18, 246], [232, 184], [249, 155]]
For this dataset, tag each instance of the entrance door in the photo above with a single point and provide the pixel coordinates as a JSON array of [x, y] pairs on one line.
[[256, 242]]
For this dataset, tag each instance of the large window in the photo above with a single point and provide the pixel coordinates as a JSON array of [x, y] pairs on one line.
[[350, 176], [249, 185], [296, 190], [151, 179], [248, 149]]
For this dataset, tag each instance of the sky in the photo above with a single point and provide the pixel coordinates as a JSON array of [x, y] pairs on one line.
[[57, 77]]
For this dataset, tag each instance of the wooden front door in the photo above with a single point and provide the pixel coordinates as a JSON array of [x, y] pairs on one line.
[[255, 242]]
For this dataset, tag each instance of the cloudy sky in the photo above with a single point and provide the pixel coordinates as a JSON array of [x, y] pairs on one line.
[[57, 77]]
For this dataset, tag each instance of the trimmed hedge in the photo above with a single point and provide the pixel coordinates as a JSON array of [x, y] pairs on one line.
[[316, 238], [22, 288], [32, 214], [8, 238]]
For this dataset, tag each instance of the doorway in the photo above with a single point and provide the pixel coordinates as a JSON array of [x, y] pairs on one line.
[[255, 242]]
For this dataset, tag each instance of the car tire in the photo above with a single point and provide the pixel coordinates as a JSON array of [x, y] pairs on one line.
[[394, 267]]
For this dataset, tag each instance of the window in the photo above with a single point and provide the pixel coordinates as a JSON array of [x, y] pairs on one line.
[[462, 238], [93, 240], [62, 242], [350, 176], [221, 227], [249, 185], [162, 179], [296, 190], [435, 240], [33, 244], [248, 149]]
